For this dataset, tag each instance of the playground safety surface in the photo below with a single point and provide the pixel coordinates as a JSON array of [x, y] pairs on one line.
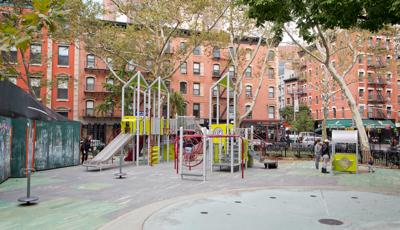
[[294, 196]]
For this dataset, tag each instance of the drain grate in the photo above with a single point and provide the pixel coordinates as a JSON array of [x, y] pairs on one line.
[[330, 221], [272, 197], [204, 213], [313, 196], [228, 214], [354, 197], [238, 201]]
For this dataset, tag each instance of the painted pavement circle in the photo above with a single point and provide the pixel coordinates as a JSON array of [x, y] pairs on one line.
[[281, 209]]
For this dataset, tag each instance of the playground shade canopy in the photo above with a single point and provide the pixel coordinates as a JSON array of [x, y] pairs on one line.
[[344, 136], [16, 103]]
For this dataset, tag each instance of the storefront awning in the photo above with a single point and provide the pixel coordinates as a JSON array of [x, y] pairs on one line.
[[347, 123]]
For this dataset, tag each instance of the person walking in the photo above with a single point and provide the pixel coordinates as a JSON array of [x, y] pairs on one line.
[[86, 148], [325, 156], [317, 153]]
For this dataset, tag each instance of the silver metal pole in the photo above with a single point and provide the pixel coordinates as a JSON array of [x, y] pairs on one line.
[[210, 109], [138, 122], [180, 150], [159, 116], [149, 136]]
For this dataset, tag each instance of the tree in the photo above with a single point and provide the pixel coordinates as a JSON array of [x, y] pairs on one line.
[[177, 102], [301, 121], [315, 21], [240, 28], [19, 27]]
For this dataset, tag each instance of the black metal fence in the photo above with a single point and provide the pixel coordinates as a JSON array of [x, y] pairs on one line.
[[389, 158], [282, 149]]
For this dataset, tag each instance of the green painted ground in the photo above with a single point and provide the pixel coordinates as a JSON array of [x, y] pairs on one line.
[[94, 186], [18, 183], [62, 213]]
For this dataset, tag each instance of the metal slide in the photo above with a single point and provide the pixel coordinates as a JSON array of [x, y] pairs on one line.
[[104, 157]]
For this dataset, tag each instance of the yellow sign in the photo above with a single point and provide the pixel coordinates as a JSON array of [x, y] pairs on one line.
[[345, 162], [220, 129]]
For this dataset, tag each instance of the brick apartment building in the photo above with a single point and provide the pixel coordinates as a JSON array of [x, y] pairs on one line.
[[373, 81], [71, 81]]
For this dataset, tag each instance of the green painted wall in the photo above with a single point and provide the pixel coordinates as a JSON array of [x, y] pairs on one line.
[[5, 148], [18, 155]]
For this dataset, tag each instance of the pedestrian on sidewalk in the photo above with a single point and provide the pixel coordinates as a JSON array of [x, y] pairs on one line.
[[317, 153], [371, 165], [325, 156]]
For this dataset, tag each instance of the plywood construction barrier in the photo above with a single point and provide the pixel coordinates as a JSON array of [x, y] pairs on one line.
[[5, 148]]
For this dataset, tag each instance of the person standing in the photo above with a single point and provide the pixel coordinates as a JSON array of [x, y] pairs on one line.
[[317, 153], [325, 156]]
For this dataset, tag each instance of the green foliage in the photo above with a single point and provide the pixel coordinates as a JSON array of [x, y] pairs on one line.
[[303, 121], [177, 103], [328, 14]]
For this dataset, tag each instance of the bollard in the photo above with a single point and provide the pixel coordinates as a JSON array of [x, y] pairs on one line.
[[120, 175], [28, 199]]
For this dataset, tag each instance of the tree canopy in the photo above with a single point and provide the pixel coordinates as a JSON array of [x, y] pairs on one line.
[[328, 14]]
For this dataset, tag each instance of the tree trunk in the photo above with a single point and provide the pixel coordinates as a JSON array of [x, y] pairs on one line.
[[366, 154]]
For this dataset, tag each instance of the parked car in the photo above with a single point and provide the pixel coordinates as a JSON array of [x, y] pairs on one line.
[[308, 141]]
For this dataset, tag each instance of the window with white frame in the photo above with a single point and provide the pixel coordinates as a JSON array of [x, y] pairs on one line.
[[216, 52], [271, 92], [90, 83], [36, 54], [248, 72], [62, 88], [36, 86], [63, 55], [196, 89], [196, 110], [10, 56], [271, 112], [250, 115], [249, 91], [231, 71], [89, 108], [216, 69], [271, 73], [183, 68], [90, 61], [196, 68], [197, 50]]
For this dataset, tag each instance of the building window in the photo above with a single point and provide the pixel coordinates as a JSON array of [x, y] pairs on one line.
[[361, 76], [182, 46], [35, 86], [231, 72], [271, 112], [183, 87], [89, 108], [388, 60], [10, 56], [316, 100], [249, 52], [248, 71], [216, 52], [183, 68], [370, 41], [388, 95], [196, 89], [310, 100], [90, 84], [63, 55], [215, 91], [250, 115], [271, 92], [370, 94], [109, 84], [215, 72], [378, 42], [361, 58], [271, 55], [197, 50], [196, 110], [389, 112], [334, 112], [361, 93], [342, 112], [196, 68], [231, 52], [249, 91], [168, 49], [90, 61], [369, 59], [388, 76], [370, 77], [271, 73], [361, 110], [36, 54], [12, 79], [62, 88], [63, 113]]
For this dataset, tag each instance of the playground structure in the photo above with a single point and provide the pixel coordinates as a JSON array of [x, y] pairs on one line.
[[222, 146], [346, 143], [196, 148], [145, 128]]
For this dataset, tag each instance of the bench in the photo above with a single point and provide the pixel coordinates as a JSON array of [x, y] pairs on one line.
[[271, 164]]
